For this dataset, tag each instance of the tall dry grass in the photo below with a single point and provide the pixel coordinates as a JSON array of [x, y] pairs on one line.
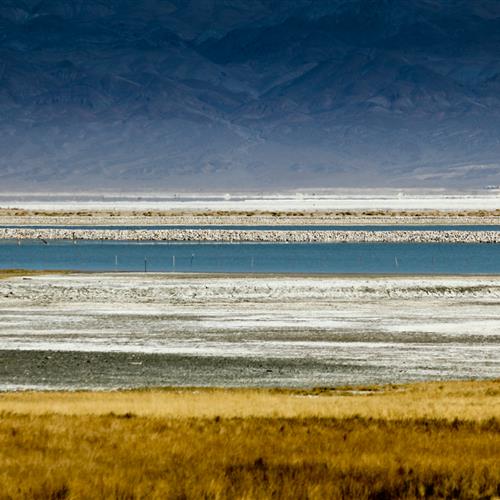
[[229, 444], [57, 456]]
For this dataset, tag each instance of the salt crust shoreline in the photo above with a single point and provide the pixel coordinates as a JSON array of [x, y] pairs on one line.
[[120, 330], [236, 236]]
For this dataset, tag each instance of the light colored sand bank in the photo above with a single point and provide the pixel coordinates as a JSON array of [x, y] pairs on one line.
[[234, 202], [321, 207]]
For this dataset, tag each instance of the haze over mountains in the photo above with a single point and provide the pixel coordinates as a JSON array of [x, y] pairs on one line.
[[248, 94]]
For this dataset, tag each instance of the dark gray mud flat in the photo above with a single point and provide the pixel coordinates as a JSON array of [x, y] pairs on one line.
[[52, 370]]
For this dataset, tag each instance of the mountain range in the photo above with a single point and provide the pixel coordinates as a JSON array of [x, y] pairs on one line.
[[248, 94]]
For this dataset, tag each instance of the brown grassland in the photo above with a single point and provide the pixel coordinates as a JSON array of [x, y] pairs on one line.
[[429, 440], [18, 212]]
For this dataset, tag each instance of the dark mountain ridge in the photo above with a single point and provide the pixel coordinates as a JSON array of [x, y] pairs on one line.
[[209, 94]]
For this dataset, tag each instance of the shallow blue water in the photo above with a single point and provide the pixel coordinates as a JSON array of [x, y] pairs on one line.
[[340, 258], [280, 228]]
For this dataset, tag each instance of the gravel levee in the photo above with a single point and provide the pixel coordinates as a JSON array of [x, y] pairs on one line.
[[223, 235]]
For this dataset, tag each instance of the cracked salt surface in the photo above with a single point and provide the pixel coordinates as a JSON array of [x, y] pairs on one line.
[[215, 330]]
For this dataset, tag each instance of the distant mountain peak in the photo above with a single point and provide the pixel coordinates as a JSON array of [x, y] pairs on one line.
[[231, 93]]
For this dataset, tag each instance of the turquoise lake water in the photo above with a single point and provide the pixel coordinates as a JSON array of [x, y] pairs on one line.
[[338, 258]]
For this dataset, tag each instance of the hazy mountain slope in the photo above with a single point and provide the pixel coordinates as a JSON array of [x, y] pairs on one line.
[[201, 94]]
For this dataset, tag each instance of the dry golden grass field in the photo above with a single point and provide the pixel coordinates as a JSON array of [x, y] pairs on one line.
[[433, 440]]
